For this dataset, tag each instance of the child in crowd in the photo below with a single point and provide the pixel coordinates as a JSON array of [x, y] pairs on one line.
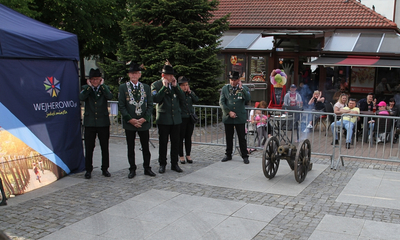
[[261, 120], [382, 110]]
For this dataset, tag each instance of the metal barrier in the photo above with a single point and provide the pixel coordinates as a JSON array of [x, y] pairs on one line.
[[290, 126], [377, 141], [209, 130]]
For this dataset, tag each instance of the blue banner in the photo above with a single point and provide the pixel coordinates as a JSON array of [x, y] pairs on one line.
[[39, 105]]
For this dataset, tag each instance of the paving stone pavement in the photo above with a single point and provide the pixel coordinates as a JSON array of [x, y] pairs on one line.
[[53, 210]]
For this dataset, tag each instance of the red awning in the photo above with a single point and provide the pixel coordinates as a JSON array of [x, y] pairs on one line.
[[358, 61], [355, 60]]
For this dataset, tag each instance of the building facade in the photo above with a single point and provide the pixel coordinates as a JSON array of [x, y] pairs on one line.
[[323, 44]]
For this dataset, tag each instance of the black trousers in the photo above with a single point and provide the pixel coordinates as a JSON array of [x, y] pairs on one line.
[[241, 132], [3, 194], [103, 134], [144, 141], [187, 128], [171, 131]]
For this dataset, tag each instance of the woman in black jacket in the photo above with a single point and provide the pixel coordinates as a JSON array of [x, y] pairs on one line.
[[187, 126], [394, 111], [392, 108]]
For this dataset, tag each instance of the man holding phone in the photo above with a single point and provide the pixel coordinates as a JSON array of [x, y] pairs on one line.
[[167, 94], [96, 120], [233, 99]]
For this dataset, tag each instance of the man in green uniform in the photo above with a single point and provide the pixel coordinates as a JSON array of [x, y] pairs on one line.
[[167, 94], [233, 99], [136, 106], [96, 120]]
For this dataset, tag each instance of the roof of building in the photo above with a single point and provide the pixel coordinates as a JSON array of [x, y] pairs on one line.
[[309, 14]]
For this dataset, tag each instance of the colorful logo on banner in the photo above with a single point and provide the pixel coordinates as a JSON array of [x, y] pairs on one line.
[[55, 108], [52, 86]]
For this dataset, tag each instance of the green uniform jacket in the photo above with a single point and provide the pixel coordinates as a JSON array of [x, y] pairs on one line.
[[168, 110], [128, 110], [96, 106], [187, 104], [235, 103]]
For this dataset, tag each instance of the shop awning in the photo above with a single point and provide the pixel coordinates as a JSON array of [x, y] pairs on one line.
[[358, 61]]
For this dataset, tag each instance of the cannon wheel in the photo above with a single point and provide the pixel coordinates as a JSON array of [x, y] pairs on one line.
[[302, 160], [270, 159]]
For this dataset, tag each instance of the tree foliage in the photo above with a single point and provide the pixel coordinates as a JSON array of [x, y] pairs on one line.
[[181, 31], [94, 21], [26, 7]]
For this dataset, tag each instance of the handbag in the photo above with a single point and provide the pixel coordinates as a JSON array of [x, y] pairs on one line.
[[194, 118]]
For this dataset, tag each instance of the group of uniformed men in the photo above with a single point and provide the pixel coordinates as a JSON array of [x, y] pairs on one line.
[[135, 103]]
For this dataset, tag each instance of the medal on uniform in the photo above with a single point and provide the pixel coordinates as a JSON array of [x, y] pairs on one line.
[[132, 100], [239, 94]]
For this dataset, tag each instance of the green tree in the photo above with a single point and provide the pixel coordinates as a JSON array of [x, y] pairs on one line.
[[26, 7], [95, 22], [182, 31]]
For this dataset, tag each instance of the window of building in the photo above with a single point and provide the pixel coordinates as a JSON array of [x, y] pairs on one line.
[[368, 42], [341, 42], [387, 81], [237, 63], [258, 69], [243, 40]]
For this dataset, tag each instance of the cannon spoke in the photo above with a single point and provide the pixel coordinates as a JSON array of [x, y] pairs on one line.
[[302, 160], [270, 161]]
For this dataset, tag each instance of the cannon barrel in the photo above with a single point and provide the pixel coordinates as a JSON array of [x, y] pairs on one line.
[[286, 149], [283, 149]]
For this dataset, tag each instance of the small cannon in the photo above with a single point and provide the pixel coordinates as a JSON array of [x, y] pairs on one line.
[[298, 158]]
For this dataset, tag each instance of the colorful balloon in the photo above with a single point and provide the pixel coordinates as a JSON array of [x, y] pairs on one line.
[[278, 78]]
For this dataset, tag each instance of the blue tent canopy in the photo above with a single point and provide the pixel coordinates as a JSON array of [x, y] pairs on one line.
[[39, 94], [24, 37]]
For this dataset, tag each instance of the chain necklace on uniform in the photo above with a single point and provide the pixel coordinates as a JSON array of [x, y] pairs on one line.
[[238, 92], [132, 101], [232, 91]]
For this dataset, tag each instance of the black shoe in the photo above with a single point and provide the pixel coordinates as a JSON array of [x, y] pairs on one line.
[[161, 169], [176, 168], [336, 142], [189, 161], [132, 174], [246, 160], [182, 161], [226, 158], [3, 203], [150, 173], [88, 175], [348, 145], [106, 173]]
